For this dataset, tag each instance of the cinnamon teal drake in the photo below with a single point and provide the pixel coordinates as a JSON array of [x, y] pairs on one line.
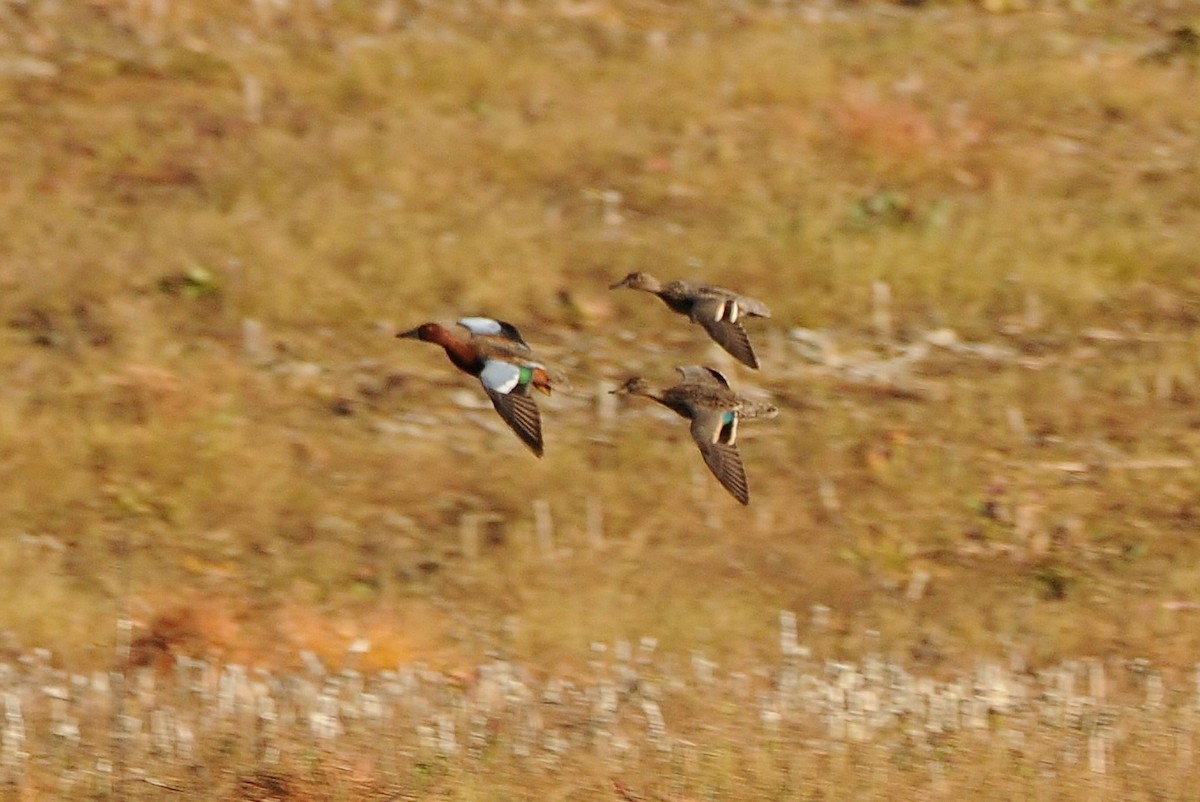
[[716, 309], [704, 397], [496, 354]]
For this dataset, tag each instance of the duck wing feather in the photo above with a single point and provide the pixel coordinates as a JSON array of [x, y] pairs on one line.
[[521, 414], [702, 374], [715, 438], [711, 314]]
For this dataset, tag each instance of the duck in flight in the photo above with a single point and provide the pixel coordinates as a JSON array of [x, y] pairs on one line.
[[704, 397], [499, 357], [718, 310]]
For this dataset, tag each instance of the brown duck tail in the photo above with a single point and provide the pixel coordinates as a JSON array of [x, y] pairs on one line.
[[541, 380]]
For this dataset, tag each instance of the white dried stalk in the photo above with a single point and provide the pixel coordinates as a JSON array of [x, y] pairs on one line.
[[543, 527], [881, 309]]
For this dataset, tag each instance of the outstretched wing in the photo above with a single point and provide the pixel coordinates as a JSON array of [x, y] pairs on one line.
[[710, 426], [719, 317], [494, 328], [521, 414], [701, 374], [508, 387], [715, 433], [725, 463]]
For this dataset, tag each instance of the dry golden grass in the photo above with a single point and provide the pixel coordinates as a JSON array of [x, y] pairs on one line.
[[217, 214]]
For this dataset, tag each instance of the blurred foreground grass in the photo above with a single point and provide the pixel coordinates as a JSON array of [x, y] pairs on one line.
[[632, 724], [978, 232]]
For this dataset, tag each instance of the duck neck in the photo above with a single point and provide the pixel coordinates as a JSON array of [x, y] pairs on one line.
[[673, 401], [651, 284], [655, 395], [464, 355]]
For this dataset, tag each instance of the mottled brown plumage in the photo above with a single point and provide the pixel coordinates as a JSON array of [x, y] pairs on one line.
[[704, 397], [716, 309]]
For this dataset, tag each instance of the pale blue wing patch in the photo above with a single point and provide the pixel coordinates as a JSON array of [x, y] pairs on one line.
[[480, 325], [502, 377], [491, 326]]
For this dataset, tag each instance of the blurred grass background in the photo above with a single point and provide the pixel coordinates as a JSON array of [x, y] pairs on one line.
[[217, 215]]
